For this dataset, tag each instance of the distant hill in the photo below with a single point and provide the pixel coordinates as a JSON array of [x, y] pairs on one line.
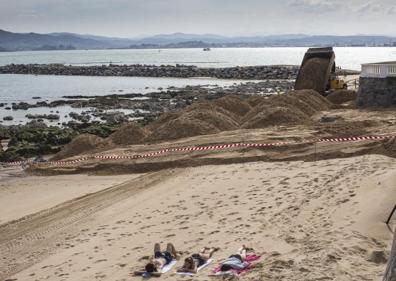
[[65, 41], [34, 41]]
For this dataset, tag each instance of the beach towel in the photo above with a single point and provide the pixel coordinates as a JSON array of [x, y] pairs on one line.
[[209, 261], [165, 269], [235, 272]]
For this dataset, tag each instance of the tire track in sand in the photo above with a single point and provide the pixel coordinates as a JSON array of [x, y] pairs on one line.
[[28, 240]]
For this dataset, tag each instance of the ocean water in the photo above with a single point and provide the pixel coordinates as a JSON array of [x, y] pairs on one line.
[[348, 57], [17, 87], [22, 88]]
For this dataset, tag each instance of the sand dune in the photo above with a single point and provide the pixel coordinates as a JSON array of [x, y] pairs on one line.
[[310, 221]]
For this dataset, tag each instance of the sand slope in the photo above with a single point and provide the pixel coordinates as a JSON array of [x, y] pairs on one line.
[[310, 220], [24, 196]]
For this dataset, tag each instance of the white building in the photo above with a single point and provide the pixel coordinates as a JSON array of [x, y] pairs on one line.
[[379, 70]]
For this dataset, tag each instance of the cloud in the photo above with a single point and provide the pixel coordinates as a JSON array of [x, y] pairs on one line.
[[315, 6], [129, 18], [369, 8], [392, 11]]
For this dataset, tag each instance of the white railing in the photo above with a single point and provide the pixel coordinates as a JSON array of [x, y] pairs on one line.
[[380, 70]]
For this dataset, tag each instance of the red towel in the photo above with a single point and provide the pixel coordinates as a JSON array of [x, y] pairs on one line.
[[249, 258]]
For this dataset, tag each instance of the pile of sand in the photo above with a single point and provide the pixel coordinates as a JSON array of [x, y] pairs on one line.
[[165, 117], [274, 116], [342, 96], [313, 99], [232, 112], [210, 106], [180, 128], [234, 104], [211, 117], [293, 108], [255, 100], [201, 118], [81, 144], [128, 134]]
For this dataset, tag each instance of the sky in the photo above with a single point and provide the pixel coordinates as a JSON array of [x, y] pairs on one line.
[[137, 18]]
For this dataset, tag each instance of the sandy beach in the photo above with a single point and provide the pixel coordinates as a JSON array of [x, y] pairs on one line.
[[193, 140], [309, 220], [44, 193]]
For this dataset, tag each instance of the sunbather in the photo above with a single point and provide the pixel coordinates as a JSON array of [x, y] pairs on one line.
[[193, 262], [237, 261], [159, 260]]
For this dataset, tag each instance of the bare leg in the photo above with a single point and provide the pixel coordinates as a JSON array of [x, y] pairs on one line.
[[242, 252], [157, 248], [206, 253], [171, 249]]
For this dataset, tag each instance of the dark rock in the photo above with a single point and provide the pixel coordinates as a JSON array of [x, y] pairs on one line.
[[181, 71], [328, 119], [34, 138], [21, 105], [8, 118], [43, 116], [378, 257], [114, 117]]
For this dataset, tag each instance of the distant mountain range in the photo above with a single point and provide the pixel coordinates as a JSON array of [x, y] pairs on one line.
[[10, 41]]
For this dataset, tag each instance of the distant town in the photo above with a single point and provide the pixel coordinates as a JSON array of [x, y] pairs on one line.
[[10, 41]]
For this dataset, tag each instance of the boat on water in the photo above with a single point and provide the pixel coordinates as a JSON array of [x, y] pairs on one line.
[[206, 49]]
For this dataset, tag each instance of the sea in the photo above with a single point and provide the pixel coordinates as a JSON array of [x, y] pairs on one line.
[[17, 88]]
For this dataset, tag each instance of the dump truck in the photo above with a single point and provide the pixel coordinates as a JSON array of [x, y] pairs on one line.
[[318, 71]]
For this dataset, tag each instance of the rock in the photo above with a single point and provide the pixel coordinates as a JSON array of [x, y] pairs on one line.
[[21, 105], [378, 257], [8, 118], [33, 139], [181, 71], [328, 119], [43, 116], [114, 117]]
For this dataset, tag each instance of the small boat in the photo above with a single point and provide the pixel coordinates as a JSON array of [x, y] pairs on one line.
[[206, 49]]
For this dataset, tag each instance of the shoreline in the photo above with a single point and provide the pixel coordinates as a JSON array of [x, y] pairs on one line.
[[102, 115]]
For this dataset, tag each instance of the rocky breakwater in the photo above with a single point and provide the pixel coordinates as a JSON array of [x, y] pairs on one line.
[[138, 70]]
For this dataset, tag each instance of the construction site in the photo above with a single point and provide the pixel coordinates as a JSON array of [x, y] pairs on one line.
[[323, 153]]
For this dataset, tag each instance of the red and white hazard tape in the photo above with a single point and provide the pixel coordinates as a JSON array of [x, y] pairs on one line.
[[14, 163], [349, 139], [200, 148]]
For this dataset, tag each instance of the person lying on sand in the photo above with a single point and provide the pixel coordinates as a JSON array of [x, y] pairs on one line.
[[236, 261], [193, 262], [159, 260]]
